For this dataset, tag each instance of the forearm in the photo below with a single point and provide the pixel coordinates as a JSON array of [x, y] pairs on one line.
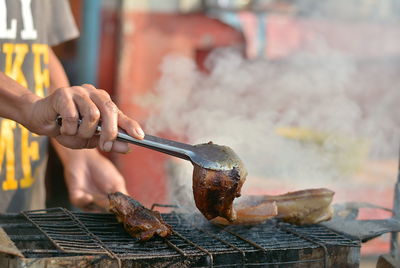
[[15, 100]]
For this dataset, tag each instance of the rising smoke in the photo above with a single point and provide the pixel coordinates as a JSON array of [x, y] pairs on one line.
[[332, 106]]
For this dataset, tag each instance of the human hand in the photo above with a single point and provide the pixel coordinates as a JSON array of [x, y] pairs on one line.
[[90, 177], [90, 104]]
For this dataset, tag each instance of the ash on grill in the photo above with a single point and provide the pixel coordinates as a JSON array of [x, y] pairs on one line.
[[56, 237]]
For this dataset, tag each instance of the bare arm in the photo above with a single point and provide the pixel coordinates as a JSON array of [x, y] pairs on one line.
[[38, 114], [16, 102]]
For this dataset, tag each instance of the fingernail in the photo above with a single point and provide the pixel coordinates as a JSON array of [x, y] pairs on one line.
[[128, 151], [140, 132], [107, 146]]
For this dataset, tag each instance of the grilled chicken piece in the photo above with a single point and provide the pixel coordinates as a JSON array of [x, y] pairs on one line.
[[214, 191], [138, 221], [300, 207]]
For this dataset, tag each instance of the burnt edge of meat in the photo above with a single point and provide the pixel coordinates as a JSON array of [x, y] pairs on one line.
[[235, 174]]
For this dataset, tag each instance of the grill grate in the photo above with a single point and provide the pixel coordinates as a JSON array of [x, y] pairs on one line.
[[194, 242], [65, 230]]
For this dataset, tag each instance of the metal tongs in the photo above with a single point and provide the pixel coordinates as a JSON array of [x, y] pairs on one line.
[[207, 155]]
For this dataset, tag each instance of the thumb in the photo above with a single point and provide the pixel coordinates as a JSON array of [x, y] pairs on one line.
[[101, 201], [80, 198], [130, 126]]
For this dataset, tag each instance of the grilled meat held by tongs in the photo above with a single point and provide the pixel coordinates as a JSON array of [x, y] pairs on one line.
[[218, 172], [138, 221], [215, 190]]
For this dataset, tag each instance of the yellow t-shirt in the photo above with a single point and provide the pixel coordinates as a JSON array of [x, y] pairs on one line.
[[27, 29]]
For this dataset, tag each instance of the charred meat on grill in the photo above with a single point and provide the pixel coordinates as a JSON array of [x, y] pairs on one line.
[[138, 221], [300, 207], [214, 191]]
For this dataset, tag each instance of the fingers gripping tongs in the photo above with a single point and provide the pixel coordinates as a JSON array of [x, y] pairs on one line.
[[208, 155]]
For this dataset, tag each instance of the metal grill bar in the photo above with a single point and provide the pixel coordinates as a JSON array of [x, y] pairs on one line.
[[264, 250], [155, 205], [198, 243], [69, 241], [210, 256], [226, 243], [111, 232], [215, 237], [172, 245], [394, 251], [323, 235], [308, 238], [244, 239], [257, 246]]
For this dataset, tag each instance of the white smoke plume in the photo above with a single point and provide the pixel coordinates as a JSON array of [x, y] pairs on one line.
[[344, 103]]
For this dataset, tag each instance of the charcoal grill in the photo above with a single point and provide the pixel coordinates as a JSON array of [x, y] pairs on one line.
[[56, 237]]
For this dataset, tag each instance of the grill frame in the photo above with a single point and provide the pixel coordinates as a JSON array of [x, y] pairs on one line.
[[184, 250]]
